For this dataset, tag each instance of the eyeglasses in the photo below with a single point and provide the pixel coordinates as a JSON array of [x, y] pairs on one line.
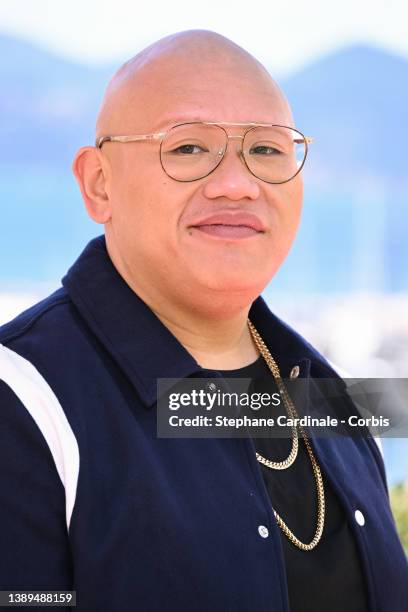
[[191, 151]]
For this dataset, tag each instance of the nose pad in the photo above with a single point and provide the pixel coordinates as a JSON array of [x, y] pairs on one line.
[[240, 153], [230, 179], [222, 152]]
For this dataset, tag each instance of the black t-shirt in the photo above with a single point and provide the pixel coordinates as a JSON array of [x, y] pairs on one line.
[[329, 577]]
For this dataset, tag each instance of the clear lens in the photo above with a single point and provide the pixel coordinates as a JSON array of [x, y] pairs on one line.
[[193, 150], [274, 154]]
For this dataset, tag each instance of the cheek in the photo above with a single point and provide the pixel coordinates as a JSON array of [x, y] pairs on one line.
[[147, 216], [137, 192], [290, 206], [285, 207]]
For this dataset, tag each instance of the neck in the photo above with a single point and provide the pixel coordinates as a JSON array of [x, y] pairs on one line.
[[215, 344]]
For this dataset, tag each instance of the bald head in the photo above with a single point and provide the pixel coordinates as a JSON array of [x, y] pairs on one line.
[[181, 72]]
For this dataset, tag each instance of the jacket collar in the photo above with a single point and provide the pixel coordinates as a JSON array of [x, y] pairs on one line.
[[139, 342]]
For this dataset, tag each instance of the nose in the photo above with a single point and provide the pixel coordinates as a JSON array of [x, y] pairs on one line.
[[232, 179]]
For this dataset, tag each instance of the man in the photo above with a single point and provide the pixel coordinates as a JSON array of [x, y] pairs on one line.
[[195, 179]]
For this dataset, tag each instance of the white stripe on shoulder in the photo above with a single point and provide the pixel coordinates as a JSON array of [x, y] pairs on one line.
[[42, 404]]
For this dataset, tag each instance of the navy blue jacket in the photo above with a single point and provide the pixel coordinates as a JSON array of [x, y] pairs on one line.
[[92, 500]]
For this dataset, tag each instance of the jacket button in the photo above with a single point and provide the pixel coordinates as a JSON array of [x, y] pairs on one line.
[[294, 373], [359, 516], [263, 531], [211, 386]]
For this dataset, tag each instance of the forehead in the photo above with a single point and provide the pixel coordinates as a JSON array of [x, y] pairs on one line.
[[155, 104], [199, 80]]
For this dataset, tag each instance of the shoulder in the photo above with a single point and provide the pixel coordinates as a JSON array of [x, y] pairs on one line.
[[290, 344], [50, 335], [32, 340], [54, 307]]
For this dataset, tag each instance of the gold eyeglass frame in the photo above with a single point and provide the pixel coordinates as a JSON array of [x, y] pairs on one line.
[[307, 140]]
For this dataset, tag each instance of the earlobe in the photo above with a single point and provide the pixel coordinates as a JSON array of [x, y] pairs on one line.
[[89, 173]]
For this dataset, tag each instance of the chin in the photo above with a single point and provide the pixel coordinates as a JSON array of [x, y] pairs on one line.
[[230, 279], [226, 294], [223, 306]]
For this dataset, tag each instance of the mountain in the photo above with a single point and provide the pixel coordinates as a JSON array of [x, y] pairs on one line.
[[355, 102], [47, 104], [352, 101]]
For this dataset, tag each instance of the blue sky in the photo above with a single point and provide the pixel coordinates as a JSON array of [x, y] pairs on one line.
[[284, 35]]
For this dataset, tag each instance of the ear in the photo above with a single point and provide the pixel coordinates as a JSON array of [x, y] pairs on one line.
[[88, 171]]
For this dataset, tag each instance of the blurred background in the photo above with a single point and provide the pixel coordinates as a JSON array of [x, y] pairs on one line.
[[345, 71]]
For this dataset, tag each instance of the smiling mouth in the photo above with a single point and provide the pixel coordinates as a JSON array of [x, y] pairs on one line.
[[221, 230]]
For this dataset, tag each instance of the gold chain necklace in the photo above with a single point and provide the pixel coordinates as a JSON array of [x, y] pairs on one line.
[[273, 366]]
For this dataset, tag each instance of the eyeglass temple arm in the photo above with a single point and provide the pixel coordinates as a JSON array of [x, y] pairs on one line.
[[99, 141], [309, 140]]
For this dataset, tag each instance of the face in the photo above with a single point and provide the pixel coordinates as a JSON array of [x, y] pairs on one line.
[[183, 237]]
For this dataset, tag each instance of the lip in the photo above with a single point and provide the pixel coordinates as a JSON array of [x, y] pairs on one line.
[[232, 219]]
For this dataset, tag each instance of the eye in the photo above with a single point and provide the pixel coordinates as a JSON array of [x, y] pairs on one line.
[[264, 150], [189, 149]]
